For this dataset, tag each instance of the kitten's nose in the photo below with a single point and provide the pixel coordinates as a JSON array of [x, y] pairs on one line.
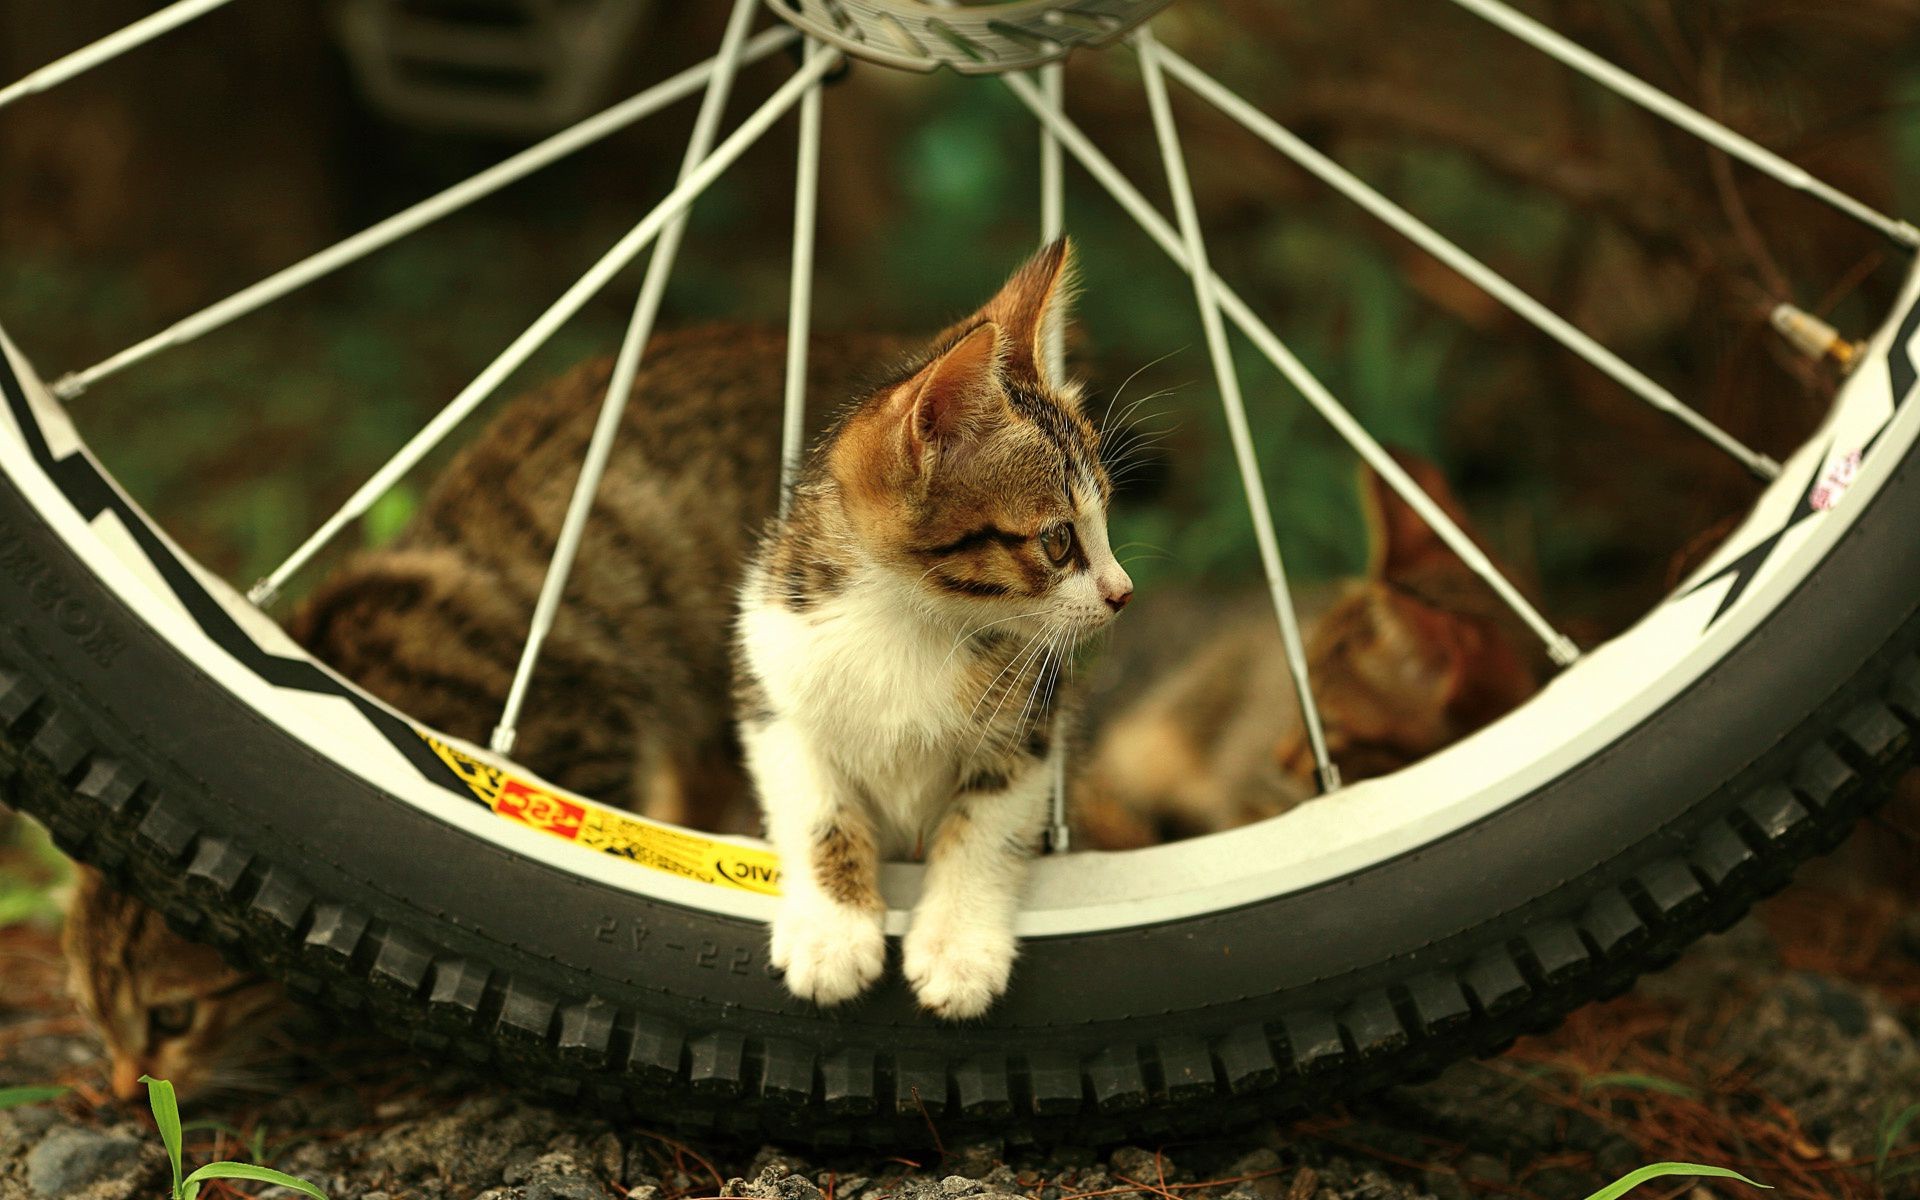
[[1116, 590], [125, 1078]]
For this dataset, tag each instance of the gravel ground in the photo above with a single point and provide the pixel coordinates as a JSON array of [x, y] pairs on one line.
[[1784, 1048]]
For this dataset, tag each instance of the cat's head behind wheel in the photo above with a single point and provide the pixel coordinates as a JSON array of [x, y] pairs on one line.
[[163, 1006], [977, 479]]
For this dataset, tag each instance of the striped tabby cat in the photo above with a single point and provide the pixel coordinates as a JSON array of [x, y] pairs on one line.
[[1409, 659], [630, 701], [162, 1005]]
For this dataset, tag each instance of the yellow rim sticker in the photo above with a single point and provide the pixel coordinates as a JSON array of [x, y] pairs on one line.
[[675, 851]]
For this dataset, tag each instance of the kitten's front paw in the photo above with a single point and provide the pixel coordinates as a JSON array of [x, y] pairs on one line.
[[957, 968], [830, 953]]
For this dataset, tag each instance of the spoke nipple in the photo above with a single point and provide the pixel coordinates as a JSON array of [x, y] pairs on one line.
[[1059, 839], [69, 385], [1766, 467], [1327, 775], [1815, 338], [263, 594], [1562, 651], [502, 740]]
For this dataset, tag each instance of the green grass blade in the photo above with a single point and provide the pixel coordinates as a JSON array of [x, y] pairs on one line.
[[14, 1097], [236, 1170], [166, 1116], [1634, 1179], [1639, 1083], [1894, 1128]]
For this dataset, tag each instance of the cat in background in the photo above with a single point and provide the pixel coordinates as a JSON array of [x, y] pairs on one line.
[[162, 1005], [1412, 657], [630, 702], [901, 642]]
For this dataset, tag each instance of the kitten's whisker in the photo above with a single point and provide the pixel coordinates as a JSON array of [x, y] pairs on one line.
[[1007, 692], [1011, 664], [976, 632], [1129, 379]]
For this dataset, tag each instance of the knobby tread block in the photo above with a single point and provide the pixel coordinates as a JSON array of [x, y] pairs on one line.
[[1186, 1069], [586, 1032], [849, 1081], [402, 963], [527, 1013], [457, 988], [218, 863], [786, 1073], [982, 1087], [1118, 1082], [1372, 1027], [718, 1063], [1246, 1059], [1439, 1003], [919, 1084], [1313, 1042], [1494, 981], [1612, 924], [1053, 1083], [654, 1056]]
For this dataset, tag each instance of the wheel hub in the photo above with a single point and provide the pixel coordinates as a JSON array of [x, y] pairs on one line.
[[978, 39]]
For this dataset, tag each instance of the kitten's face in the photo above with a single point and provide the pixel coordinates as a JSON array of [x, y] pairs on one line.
[[979, 480], [164, 1006]]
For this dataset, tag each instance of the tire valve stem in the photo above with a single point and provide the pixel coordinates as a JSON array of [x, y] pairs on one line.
[[1815, 338]]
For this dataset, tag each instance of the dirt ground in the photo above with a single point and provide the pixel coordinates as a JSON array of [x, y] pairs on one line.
[[1788, 1049]]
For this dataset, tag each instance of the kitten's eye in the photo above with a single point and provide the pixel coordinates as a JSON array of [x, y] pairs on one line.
[[171, 1020], [1058, 543]]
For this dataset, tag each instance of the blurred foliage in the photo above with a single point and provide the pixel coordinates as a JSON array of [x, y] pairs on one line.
[[243, 442], [31, 872]]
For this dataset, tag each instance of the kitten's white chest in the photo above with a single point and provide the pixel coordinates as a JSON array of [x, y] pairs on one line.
[[877, 687]]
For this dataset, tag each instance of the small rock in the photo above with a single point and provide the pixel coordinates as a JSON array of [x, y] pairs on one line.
[[563, 1187], [774, 1183], [1446, 1184], [849, 1187], [1001, 1179], [975, 1159], [960, 1185], [1304, 1184], [1135, 1163], [770, 1157], [69, 1159]]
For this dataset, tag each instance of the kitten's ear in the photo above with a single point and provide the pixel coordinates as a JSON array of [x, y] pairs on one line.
[[1402, 543], [956, 394], [1031, 304]]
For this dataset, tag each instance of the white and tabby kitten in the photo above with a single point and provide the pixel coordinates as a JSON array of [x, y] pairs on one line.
[[901, 639]]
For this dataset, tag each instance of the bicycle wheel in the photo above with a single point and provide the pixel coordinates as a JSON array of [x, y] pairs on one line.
[[167, 731]]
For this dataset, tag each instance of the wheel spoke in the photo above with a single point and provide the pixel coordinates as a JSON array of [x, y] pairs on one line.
[[108, 48], [536, 335], [1699, 124], [1275, 350], [393, 228], [633, 347], [1053, 220], [1206, 298], [806, 196], [1487, 279]]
